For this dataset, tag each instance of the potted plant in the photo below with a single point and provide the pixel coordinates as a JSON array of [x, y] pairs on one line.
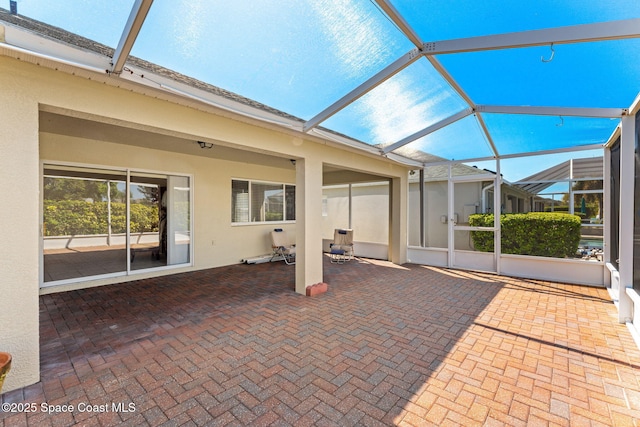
[[5, 365]]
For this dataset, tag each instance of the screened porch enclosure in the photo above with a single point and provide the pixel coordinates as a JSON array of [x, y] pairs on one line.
[[401, 87], [467, 123], [556, 213]]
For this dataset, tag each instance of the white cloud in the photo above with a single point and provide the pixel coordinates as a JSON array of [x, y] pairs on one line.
[[397, 109], [364, 46], [188, 31], [357, 39]]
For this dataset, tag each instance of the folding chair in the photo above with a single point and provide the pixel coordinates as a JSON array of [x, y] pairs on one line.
[[282, 247], [342, 246]]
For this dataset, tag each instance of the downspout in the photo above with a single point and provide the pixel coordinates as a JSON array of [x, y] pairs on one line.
[[484, 196]]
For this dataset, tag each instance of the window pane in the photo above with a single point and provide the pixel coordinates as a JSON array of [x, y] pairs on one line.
[[148, 221], [239, 201], [290, 202], [267, 202], [83, 222], [178, 220]]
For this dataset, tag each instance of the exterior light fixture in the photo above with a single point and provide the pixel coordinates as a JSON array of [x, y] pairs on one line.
[[206, 145]]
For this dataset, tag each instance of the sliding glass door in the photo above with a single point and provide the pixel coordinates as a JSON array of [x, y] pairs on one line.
[[103, 222]]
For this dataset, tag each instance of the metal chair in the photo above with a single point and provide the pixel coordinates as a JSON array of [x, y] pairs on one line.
[[282, 247], [342, 242]]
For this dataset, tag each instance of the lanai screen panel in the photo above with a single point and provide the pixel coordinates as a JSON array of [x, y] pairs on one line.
[[463, 139], [302, 56], [514, 134], [408, 102], [295, 56], [438, 20], [100, 21], [565, 75]]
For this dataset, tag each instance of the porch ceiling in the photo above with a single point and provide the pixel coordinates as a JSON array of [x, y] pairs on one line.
[[157, 140]]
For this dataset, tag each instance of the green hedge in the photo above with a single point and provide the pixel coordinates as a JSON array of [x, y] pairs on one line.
[[537, 233], [78, 217]]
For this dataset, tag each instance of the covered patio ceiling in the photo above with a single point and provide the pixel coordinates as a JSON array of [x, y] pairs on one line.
[[465, 81]]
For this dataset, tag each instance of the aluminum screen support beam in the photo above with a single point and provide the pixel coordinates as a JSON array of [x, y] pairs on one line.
[[485, 129], [606, 113], [379, 78], [132, 28], [426, 131], [518, 155], [406, 29], [613, 30], [399, 20]]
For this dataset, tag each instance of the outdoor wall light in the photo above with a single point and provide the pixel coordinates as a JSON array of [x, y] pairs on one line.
[[206, 145], [293, 161]]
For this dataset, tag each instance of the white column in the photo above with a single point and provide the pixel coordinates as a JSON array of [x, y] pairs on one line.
[[398, 201], [20, 228], [627, 184], [308, 220]]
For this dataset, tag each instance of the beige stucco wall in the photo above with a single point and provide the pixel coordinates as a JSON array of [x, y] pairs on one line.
[[19, 214], [26, 89], [369, 216], [370, 212]]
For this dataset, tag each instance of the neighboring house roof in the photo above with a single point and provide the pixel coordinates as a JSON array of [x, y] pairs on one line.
[[591, 167], [439, 171]]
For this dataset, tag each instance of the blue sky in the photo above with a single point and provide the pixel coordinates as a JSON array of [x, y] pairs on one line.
[[300, 56]]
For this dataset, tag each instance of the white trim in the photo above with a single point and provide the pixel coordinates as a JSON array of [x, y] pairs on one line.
[[17, 52], [614, 136], [225, 104]]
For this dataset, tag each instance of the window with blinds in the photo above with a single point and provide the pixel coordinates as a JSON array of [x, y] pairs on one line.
[[255, 201]]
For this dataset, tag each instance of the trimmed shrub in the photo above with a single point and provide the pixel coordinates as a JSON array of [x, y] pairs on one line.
[[79, 217], [536, 233]]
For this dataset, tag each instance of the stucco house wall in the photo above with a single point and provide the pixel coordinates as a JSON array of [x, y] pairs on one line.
[[27, 90]]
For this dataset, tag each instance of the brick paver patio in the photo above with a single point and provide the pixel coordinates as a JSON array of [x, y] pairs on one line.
[[387, 345]]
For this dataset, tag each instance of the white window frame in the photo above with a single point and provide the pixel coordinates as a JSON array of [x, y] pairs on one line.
[[260, 181], [128, 272]]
